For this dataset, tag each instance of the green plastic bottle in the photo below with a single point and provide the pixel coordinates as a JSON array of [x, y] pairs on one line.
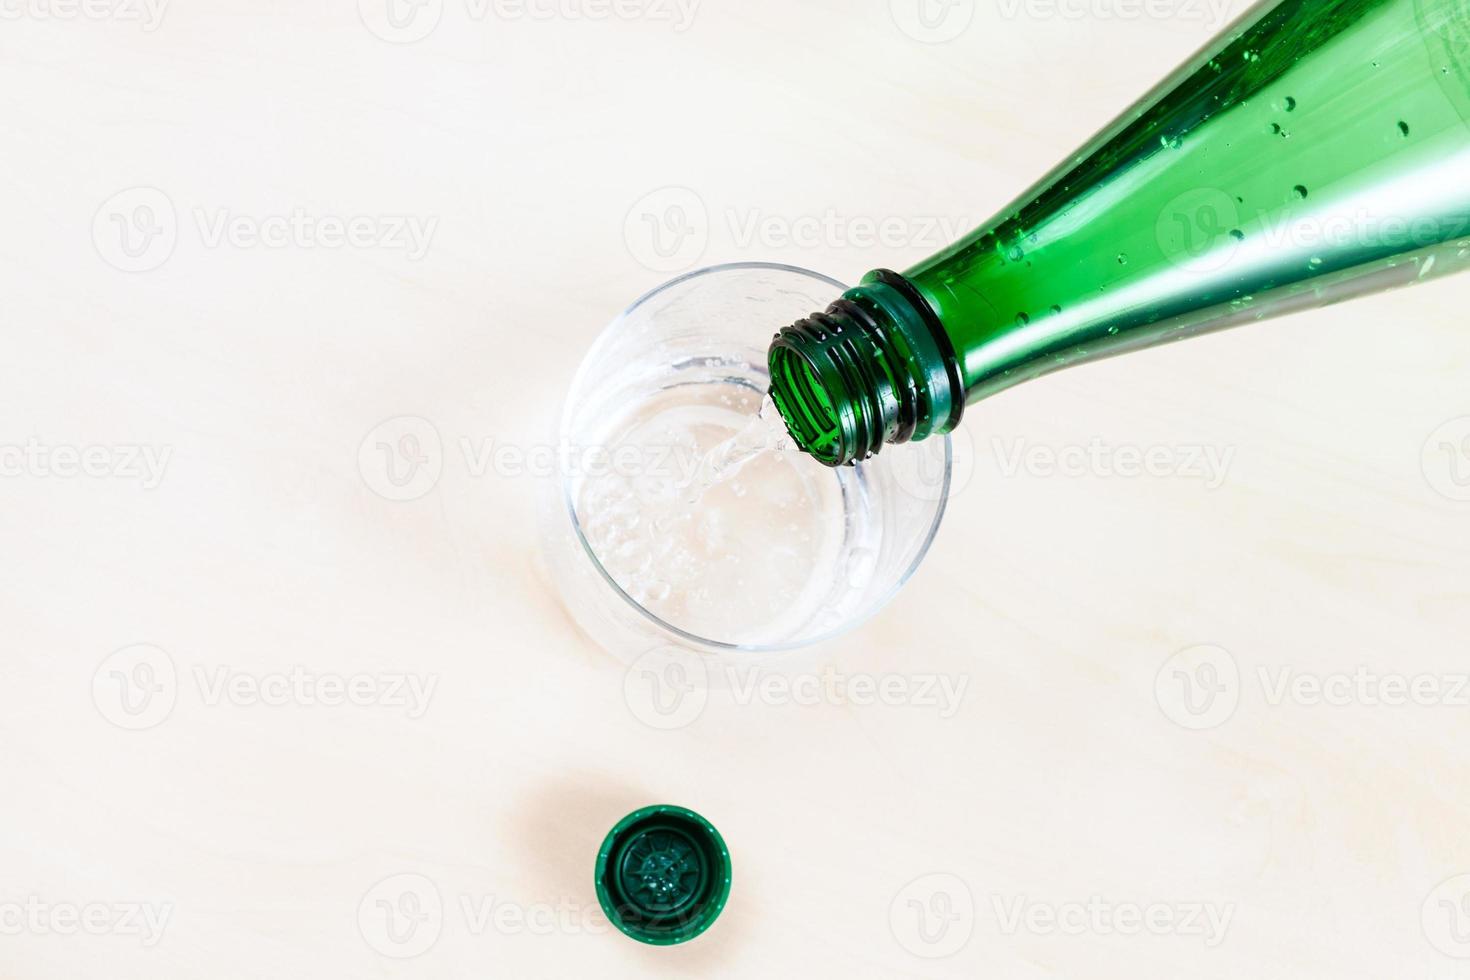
[[1315, 150]]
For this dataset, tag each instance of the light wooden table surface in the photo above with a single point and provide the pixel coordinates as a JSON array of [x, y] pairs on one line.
[[1209, 721]]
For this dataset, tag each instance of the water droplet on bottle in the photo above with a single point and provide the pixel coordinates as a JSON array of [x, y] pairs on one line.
[[1014, 253], [1122, 258], [1315, 261], [1403, 129], [1055, 308], [1288, 103], [1113, 330], [1275, 129], [1022, 319], [1299, 192], [1237, 234]]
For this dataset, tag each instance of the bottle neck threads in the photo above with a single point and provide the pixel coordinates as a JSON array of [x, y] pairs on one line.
[[875, 367]]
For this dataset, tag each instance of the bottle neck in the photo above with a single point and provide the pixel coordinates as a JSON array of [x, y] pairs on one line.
[[1306, 155], [875, 367]]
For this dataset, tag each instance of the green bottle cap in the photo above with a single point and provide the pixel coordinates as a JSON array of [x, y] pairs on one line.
[[663, 875]]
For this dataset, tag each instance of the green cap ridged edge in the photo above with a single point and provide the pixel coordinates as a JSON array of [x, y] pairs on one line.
[[709, 895]]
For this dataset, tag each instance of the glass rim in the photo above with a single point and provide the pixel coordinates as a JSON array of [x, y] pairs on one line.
[[677, 633]]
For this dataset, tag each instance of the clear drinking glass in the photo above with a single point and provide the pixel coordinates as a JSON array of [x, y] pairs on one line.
[[785, 553]]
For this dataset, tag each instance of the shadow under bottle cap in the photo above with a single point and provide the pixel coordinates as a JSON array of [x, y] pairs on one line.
[[663, 875]]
